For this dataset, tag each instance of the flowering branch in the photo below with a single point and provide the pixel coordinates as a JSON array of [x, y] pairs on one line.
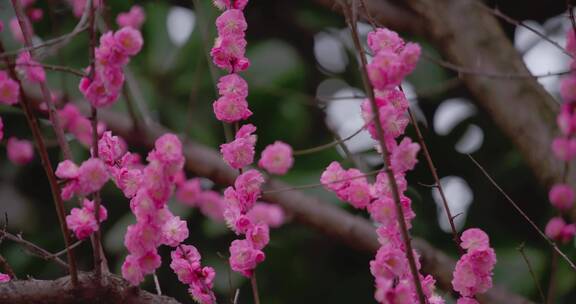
[[350, 14]]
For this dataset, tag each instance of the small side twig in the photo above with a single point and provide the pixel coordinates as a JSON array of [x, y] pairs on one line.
[[35, 249], [524, 215], [531, 270]]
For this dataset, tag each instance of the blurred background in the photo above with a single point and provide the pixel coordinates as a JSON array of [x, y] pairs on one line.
[[304, 89]]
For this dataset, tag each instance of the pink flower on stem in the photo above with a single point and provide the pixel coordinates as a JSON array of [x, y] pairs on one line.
[[561, 196], [82, 221], [233, 85], [474, 239], [20, 151], [384, 39], [228, 54], [258, 235], [174, 231], [240, 152], [129, 40], [231, 109], [244, 257], [111, 148], [404, 157], [564, 148], [131, 270], [231, 23], [9, 89], [92, 175], [333, 177], [248, 188], [133, 18], [277, 158], [4, 278], [390, 262], [67, 169]]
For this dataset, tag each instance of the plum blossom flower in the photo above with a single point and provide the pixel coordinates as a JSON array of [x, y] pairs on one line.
[[240, 152], [20, 151], [562, 196], [134, 18], [277, 158], [244, 257], [9, 89]]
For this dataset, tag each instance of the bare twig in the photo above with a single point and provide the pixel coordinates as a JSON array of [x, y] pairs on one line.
[[531, 270], [46, 164], [496, 12], [254, 284], [524, 215], [34, 249], [157, 284], [330, 144]]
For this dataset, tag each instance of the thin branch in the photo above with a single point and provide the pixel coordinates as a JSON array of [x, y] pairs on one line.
[[34, 249], [351, 18], [532, 274], [57, 68], [157, 284], [524, 215], [96, 240], [437, 183], [496, 12], [489, 74], [46, 164], [254, 284], [54, 118], [57, 42], [329, 145], [309, 186]]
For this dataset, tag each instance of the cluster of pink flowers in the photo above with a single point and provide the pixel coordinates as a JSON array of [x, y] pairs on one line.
[[473, 272], [186, 264], [113, 53], [241, 213], [393, 60], [82, 180], [212, 204], [134, 18], [245, 254], [562, 195], [149, 188], [82, 221]]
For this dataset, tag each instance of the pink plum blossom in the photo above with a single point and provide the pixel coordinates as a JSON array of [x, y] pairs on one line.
[[277, 158], [20, 151]]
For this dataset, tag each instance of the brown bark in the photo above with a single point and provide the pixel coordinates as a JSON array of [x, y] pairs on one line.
[[113, 291]]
